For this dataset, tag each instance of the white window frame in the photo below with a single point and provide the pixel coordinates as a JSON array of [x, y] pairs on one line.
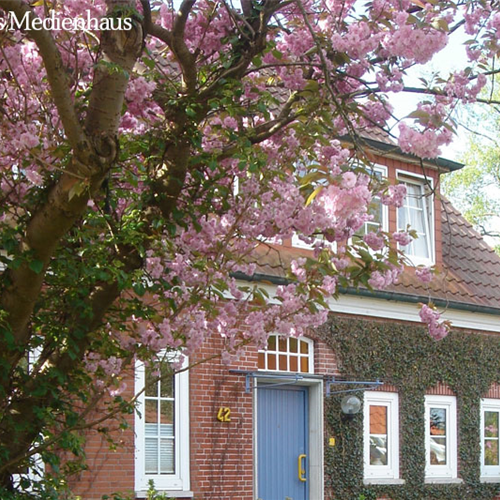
[[489, 471], [449, 470], [384, 224], [391, 401], [36, 471], [427, 186], [180, 480], [277, 352]]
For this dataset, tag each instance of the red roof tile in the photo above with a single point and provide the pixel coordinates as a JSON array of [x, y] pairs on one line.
[[471, 269], [470, 274]]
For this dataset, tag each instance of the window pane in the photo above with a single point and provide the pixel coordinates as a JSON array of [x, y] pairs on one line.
[[416, 213], [419, 247], [417, 220], [304, 347], [438, 421], [378, 419], [283, 363], [491, 452], [159, 425], [167, 381], [282, 344], [294, 365], [438, 450], [151, 411], [413, 195], [304, 365], [271, 362], [375, 209], [261, 363], [151, 455], [402, 218], [490, 424], [271, 343], [378, 450], [293, 344], [167, 456], [167, 413], [151, 384]]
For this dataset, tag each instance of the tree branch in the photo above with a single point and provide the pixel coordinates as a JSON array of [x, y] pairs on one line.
[[435, 92], [185, 58], [56, 75]]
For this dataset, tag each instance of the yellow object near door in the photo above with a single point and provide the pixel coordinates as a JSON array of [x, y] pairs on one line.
[[300, 469]]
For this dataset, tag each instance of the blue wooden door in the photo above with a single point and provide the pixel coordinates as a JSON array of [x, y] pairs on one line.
[[282, 432]]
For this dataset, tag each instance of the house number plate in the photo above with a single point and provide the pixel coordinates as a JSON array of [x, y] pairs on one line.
[[224, 414]]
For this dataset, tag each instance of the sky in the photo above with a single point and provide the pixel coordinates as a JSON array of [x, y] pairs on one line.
[[451, 58]]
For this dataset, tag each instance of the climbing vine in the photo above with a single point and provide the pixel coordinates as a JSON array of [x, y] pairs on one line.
[[403, 356]]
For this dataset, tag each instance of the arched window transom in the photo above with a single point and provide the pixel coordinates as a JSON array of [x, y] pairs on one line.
[[287, 355]]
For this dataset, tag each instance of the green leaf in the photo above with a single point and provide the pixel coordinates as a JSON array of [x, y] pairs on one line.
[[139, 289], [277, 54], [36, 266]]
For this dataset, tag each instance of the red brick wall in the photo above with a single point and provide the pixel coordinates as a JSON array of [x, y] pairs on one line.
[[494, 392], [221, 452], [222, 466], [108, 470], [440, 390]]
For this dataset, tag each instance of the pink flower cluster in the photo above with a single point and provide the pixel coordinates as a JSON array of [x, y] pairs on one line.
[[402, 238], [394, 196], [424, 274], [382, 279], [243, 197], [438, 329], [424, 144], [374, 241], [415, 44], [459, 86]]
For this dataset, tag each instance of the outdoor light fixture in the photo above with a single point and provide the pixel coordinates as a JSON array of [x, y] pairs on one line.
[[350, 405]]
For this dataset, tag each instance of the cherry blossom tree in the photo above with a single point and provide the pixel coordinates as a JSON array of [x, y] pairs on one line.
[[152, 158]]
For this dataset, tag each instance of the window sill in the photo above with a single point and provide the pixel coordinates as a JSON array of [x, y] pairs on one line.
[[169, 493], [373, 480], [443, 480], [490, 479]]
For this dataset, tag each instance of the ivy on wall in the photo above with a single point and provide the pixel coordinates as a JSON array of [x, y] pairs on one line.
[[404, 356]]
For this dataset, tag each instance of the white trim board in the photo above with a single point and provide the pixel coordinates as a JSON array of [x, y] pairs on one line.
[[402, 311]]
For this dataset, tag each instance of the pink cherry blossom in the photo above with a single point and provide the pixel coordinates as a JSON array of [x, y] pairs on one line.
[[374, 241], [438, 329], [402, 238], [394, 196], [424, 274]]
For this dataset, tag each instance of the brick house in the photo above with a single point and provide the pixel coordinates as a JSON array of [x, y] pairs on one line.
[[270, 425]]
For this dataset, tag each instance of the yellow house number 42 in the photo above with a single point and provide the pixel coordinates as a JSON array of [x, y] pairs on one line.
[[224, 414]]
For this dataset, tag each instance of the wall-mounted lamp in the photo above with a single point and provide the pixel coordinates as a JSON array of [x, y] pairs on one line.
[[350, 405]]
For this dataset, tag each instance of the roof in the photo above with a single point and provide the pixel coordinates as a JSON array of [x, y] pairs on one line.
[[380, 142], [469, 280], [471, 269]]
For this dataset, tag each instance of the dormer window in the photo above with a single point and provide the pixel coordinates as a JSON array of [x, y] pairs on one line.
[[377, 210], [417, 212]]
